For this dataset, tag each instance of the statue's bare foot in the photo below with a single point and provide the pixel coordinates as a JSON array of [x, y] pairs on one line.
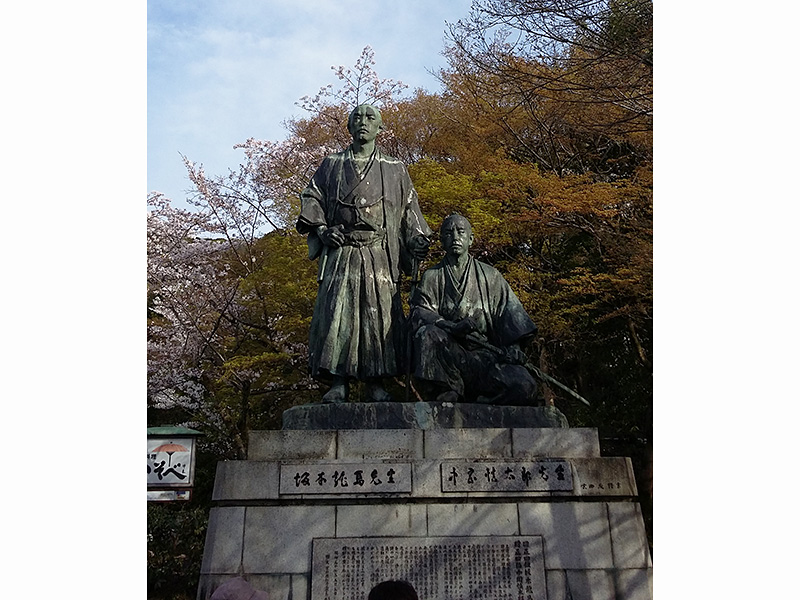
[[376, 393], [448, 396], [338, 392]]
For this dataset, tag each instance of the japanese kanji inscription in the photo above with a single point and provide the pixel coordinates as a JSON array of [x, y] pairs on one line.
[[338, 478], [445, 568], [506, 476]]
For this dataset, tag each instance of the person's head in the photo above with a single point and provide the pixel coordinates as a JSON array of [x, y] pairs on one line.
[[456, 235], [393, 590], [364, 123], [238, 589]]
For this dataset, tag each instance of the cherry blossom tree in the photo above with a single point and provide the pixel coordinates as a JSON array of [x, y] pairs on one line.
[[226, 329], [230, 288]]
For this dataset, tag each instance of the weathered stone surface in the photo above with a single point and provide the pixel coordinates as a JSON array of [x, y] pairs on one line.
[[556, 443], [279, 445], [386, 444], [301, 588], [590, 584], [245, 480], [607, 476], [556, 581], [427, 480], [272, 532], [275, 586], [576, 534], [628, 536], [472, 519], [223, 548], [492, 474], [634, 584], [419, 415], [418, 457], [468, 443], [381, 520], [519, 442]]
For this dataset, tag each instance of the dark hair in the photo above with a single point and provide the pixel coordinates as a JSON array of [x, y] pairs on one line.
[[393, 590], [452, 217]]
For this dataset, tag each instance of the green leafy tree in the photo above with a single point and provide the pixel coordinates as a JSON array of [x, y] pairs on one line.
[[567, 83], [175, 538]]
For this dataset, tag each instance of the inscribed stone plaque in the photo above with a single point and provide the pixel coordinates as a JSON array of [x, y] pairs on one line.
[[506, 476], [352, 478], [444, 568]]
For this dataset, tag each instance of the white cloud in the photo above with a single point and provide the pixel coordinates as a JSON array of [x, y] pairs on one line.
[[220, 72]]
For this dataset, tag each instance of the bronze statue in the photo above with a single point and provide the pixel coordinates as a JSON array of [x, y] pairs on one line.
[[468, 326], [363, 221]]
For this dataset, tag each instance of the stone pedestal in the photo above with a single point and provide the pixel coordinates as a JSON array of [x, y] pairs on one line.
[[492, 513], [419, 415]]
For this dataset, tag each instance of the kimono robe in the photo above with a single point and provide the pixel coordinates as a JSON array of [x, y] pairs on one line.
[[459, 365], [357, 325]]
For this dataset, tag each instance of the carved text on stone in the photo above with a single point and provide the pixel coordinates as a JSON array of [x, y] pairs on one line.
[[543, 475], [350, 478], [445, 568]]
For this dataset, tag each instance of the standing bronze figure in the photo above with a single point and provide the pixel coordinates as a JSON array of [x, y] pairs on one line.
[[364, 224]]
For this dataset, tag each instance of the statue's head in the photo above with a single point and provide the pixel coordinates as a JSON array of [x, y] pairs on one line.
[[364, 123], [456, 234]]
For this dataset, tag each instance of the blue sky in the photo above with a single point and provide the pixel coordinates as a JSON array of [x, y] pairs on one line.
[[220, 72]]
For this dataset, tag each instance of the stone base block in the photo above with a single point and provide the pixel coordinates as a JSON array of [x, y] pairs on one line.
[[473, 489], [590, 550], [419, 415]]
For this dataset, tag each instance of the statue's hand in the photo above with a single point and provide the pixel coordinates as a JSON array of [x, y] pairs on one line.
[[331, 236], [419, 247], [464, 327], [445, 324]]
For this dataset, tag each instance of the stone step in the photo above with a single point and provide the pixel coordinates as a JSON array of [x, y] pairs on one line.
[[500, 442], [419, 415]]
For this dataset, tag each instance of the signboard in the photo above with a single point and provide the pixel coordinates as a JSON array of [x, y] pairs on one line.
[[541, 475], [170, 462], [168, 495], [353, 478], [445, 568]]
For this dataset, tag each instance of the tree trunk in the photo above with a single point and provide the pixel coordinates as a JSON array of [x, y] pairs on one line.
[[549, 397], [640, 352], [243, 425]]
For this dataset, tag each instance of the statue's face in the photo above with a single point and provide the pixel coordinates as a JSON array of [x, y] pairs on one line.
[[365, 123], [456, 235]]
